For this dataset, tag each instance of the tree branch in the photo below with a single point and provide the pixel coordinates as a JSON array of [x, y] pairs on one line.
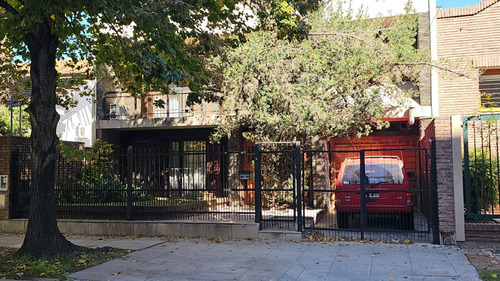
[[8, 7], [78, 35], [460, 74], [337, 33]]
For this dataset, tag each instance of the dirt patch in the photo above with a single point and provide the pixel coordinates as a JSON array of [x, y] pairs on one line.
[[482, 255]]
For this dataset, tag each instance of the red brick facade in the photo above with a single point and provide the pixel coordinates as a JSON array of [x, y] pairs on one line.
[[7, 146]]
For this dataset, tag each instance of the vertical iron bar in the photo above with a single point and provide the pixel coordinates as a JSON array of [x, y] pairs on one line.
[[434, 193], [258, 184], [497, 158], [484, 193], [363, 192], [299, 189], [129, 182], [468, 201], [491, 194]]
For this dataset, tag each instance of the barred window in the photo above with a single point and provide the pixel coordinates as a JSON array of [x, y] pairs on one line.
[[489, 87]]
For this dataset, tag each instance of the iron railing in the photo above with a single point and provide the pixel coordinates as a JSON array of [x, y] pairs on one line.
[[277, 186], [124, 106], [482, 166]]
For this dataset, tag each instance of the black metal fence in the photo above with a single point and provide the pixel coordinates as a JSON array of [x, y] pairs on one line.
[[277, 185], [482, 166], [392, 202]]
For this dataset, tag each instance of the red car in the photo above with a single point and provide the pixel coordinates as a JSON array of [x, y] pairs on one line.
[[387, 193]]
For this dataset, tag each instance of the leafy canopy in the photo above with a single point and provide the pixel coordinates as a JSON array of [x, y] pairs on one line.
[[331, 83], [147, 43]]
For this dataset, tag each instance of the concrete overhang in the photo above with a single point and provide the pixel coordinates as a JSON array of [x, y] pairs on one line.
[[160, 123]]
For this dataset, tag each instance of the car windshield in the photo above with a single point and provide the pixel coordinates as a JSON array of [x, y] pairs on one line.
[[377, 173]]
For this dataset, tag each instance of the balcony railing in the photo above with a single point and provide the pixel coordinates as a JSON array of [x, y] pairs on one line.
[[123, 106]]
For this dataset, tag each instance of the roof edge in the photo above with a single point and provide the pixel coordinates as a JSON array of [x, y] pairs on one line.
[[465, 11]]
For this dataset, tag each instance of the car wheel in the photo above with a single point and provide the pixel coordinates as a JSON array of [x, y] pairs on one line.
[[342, 219]]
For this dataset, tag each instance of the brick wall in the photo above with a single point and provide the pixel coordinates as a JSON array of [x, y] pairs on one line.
[[7, 145], [469, 36], [440, 128], [444, 164]]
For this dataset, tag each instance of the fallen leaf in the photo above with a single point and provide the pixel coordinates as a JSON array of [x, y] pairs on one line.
[[116, 272], [390, 278]]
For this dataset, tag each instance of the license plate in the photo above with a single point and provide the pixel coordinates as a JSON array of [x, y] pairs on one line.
[[373, 195]]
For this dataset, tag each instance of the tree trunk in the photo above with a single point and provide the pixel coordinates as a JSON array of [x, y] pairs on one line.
[[43, 237]]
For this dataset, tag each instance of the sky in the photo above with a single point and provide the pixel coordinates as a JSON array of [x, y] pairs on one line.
[[455, 3]]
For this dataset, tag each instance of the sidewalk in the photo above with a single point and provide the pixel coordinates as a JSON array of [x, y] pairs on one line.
[[201, 259]]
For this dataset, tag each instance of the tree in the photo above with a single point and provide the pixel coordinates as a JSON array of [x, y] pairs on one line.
[[330, 82], [148, 44]]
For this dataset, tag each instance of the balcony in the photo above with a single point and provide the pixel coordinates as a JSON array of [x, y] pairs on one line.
[[122, 111]]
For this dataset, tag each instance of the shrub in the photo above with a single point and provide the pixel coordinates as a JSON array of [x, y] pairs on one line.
[[484, 180]]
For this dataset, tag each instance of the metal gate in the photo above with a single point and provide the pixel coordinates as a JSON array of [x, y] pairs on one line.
[[278, 185], [299, 190], [379, 194], [481, 166]]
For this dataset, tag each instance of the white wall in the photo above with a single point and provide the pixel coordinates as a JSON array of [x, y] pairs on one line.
[[78, 123], [378, 8]]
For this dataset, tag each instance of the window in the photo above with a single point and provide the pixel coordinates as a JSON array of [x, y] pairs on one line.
[[489, 87]]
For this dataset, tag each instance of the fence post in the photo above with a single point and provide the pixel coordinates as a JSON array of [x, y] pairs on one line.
[[297, 161], [129, 182], [258, 184], [364, 183], [434, 193], [468, 201]]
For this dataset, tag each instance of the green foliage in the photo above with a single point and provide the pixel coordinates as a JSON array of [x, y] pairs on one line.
[[287, 18], [489, 274], [5, 117], [147, 44], [23, 267], [333, 83], [484, 180], [97, 183]]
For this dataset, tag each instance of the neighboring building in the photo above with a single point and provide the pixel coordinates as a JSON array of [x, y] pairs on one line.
[[78, 124], [468, 39], [471, 36]]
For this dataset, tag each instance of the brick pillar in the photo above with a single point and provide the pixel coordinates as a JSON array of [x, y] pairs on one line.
[[440, 128], [7, 146], [4, 171], [444, 163]]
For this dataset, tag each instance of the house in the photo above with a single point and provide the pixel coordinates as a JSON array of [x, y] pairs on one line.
[[77, 124], [185, 162], [184, 159]]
